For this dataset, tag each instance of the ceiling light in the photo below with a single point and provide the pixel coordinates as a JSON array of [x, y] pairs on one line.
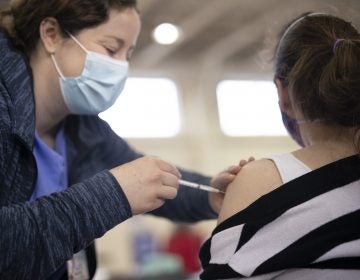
[[166, 34]]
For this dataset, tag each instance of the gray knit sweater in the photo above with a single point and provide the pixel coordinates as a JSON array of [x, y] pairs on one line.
[[39, 237]]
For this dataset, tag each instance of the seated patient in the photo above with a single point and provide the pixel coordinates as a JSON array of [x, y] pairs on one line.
[[297, 215]]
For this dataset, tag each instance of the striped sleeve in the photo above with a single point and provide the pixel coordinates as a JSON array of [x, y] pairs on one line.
[[308, 223]]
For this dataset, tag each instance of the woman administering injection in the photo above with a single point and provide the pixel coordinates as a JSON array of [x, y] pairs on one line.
[[62, 62]]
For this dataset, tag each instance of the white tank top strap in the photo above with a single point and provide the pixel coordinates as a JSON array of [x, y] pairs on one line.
[[289, 166]]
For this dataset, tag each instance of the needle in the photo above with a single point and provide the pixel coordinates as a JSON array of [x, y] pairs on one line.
[[199, 186]]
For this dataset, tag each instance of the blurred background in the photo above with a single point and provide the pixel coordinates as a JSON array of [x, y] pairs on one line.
[[200, 94], [220, 107]]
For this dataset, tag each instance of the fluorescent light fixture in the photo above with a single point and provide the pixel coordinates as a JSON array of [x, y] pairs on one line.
[[166, 34], [249, 108], [148, 108]]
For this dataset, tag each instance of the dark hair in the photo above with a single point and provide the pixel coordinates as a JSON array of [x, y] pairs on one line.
[[22, 19], [323, 77]]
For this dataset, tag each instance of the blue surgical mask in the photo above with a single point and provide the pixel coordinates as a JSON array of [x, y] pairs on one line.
[[98, 86], [292, 127]]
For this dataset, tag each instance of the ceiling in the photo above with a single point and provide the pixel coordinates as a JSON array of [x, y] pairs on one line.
[[232, 35]]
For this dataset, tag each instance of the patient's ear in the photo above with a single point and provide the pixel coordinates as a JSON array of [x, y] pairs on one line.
[[284, 99]]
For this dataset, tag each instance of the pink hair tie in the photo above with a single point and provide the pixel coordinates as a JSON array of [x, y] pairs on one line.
[[336, 44]]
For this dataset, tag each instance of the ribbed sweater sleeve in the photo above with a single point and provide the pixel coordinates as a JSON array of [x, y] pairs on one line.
[[36, 238]]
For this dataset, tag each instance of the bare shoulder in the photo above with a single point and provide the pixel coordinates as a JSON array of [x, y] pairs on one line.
[[255, 179]]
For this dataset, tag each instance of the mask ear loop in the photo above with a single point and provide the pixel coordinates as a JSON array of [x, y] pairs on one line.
[[57, 67], [77, 42], [54, 60]]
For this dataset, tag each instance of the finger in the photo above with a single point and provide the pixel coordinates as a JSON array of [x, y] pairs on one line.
[[168, 167], [231, 169], [243, 162], [234, 169], [167, 192], [251, 159], [169, 179], [223, 180]]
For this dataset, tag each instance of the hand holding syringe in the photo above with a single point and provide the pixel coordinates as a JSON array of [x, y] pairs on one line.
[[199, 186]]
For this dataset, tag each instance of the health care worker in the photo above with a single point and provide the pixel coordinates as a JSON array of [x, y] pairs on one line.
[[65, 177]]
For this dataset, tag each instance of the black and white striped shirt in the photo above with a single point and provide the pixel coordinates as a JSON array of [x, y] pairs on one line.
[[309, 228]]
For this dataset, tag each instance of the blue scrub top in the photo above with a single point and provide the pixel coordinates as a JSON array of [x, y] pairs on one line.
[[51, 165], [52, 174]]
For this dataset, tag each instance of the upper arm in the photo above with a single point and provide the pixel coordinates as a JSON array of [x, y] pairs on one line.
[[253, 181]]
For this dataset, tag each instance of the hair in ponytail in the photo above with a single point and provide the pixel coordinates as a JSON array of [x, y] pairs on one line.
[[318, 58]]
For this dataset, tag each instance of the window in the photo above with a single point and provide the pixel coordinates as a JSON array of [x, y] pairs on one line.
[[147, 108], [249, 108]]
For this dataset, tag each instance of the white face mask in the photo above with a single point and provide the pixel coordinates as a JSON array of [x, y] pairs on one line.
[[98, 86]]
